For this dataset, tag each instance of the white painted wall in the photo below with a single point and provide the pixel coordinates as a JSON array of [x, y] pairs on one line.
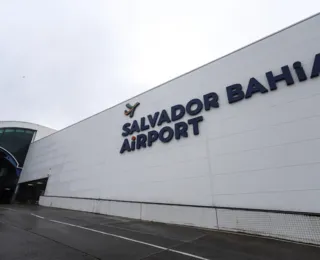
[[42, 131], [258, 153]]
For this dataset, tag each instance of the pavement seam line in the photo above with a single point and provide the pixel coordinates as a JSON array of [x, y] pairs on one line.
[[195, 239], [175, 246], [139, 232], [132, 240], [170, 248]]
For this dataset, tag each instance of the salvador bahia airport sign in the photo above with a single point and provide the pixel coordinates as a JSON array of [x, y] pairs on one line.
[[194, 107]]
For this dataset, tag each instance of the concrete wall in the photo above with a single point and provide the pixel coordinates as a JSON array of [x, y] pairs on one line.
[[259, 153]]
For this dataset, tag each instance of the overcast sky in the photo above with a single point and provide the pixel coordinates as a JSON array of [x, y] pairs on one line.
[[64, 60]]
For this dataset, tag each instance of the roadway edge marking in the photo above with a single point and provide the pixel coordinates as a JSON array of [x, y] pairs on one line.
[[37, 216], [132, 240]]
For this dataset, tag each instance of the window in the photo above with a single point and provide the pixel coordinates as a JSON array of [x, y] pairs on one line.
[[16, 141]]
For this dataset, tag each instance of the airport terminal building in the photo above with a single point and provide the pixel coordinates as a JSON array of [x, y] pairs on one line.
[[233, 145]]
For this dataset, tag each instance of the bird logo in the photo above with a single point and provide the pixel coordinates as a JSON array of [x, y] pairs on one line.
[[131, 109]]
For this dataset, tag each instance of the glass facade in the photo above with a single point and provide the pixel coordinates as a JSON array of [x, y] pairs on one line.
[[17, 142]]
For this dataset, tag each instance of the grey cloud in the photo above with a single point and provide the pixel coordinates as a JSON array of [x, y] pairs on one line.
[[64, 60]]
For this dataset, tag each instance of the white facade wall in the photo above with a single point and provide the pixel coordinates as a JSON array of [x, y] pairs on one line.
[[259, 153]]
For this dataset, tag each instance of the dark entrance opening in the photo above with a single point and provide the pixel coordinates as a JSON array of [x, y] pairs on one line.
[[30, 192], [8, 180]]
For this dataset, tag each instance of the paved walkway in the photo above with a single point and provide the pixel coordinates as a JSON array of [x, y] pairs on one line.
[[32, 232]]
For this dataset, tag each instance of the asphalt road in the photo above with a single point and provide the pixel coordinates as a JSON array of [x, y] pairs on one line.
[[32, 232]]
